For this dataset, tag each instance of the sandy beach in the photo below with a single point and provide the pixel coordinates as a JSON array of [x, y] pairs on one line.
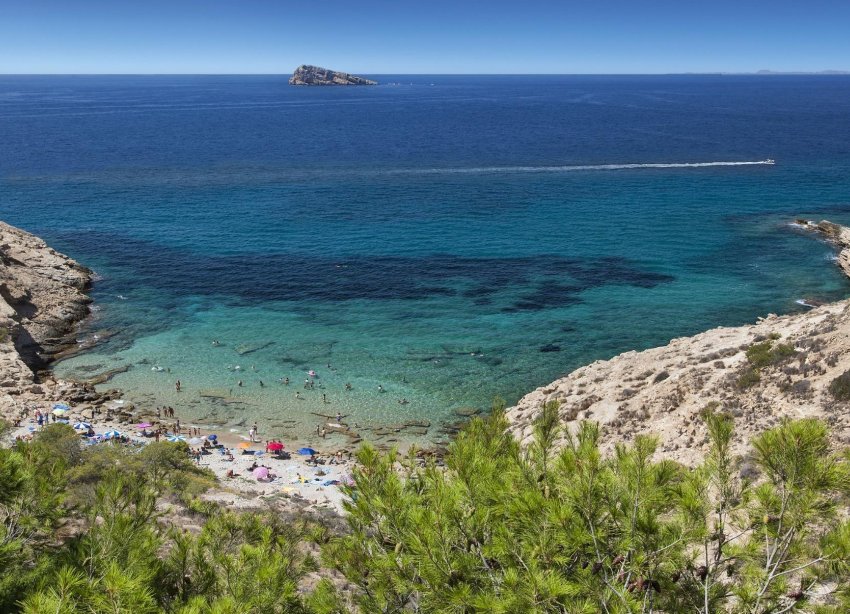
[[307, 485]]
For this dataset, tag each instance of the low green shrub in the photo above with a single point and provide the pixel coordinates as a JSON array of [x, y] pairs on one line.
[[840, 387], [750, 377], [765, 353]]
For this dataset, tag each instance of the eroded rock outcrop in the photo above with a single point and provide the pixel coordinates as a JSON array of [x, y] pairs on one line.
[[782, 366], [315, 75], [42, 298]]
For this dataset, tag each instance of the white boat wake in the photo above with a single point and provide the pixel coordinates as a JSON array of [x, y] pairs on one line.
[[570, 168]]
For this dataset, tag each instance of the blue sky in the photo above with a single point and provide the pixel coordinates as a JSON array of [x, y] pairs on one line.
[[426, 36]]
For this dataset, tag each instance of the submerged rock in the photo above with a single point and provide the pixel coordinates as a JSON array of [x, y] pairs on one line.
[[315, 75]]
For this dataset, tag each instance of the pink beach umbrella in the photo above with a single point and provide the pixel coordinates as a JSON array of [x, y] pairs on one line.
[[261, 473], [144, 425]]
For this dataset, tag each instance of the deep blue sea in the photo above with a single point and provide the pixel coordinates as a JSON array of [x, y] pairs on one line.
[[448, 239]]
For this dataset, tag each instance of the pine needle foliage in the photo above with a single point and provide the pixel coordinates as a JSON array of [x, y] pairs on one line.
[[558, 526]]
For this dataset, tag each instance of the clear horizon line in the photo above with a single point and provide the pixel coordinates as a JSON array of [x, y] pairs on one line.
[[762, 72]]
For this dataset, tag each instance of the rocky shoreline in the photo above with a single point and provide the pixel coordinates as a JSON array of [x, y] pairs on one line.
[[782, 366], [43, 298]]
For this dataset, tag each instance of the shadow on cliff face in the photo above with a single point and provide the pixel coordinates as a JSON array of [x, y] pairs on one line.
[[508, 284], [31, 352]]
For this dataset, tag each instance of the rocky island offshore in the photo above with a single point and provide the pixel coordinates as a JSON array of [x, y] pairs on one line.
[[315, 75]]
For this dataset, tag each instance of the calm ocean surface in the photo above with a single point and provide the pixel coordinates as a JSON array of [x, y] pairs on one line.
[[449, 239]]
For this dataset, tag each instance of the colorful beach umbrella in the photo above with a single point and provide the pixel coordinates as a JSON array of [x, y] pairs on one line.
[[144, 425], [61, 406], [275, 446], [307, 451], [261, 473], [175, 438], [82, 425], [60, 411], [212, 437], [244, 445], [111, 434]]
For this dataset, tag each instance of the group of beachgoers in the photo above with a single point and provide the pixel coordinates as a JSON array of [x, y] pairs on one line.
[[273, 448], [309, 383]]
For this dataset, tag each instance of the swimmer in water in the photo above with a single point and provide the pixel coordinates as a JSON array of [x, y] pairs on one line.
[[380, 388], [347, 385]]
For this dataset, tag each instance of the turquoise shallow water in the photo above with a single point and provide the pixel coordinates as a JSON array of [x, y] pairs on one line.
[[446, 242]]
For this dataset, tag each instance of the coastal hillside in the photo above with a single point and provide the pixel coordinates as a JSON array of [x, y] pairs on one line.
[[793, 366]]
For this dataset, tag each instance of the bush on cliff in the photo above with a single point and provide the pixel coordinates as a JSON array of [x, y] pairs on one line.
[[766, 353], [840, 387]]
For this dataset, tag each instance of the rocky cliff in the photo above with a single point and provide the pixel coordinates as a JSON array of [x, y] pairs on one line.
[[782, 366], [314, 75], [42, 298]]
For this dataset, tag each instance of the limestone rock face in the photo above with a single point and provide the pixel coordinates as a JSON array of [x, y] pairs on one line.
[[42, 297], [315, 75]]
